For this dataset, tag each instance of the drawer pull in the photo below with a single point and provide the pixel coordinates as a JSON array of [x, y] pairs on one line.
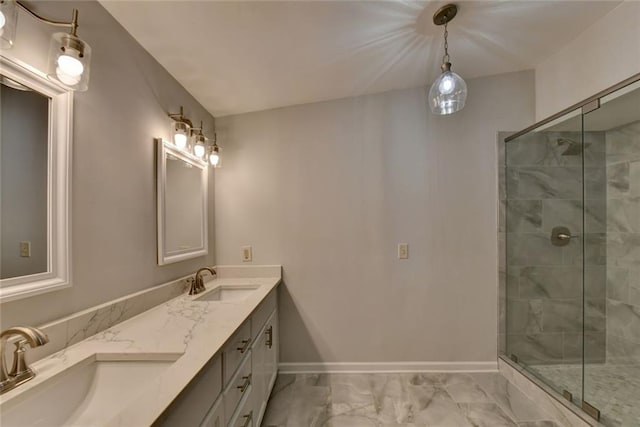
[[248, 417], [247, 383], [245, 346], [269, 333]]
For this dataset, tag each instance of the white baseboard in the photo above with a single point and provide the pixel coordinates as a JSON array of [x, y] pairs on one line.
[[386, 367]]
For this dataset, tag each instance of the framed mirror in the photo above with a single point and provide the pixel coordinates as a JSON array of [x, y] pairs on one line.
[[182, 205], [35, 162]]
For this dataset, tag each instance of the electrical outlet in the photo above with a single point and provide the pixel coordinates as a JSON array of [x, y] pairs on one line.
[[25, 249], [403, 250], [246, 254]]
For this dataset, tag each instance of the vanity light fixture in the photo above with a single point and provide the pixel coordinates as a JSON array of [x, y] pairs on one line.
[[448, 93], [69, 56], [199, 148], [181, 129], [214, 153]]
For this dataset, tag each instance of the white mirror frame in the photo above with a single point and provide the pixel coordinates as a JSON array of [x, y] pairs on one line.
[[58, 274], [164, 257]]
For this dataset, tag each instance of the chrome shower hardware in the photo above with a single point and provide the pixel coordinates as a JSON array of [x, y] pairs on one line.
[[561, 236]]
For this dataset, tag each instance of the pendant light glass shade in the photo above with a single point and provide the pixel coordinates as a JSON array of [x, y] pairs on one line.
[[448, 93], [69, 60], [8, 21]]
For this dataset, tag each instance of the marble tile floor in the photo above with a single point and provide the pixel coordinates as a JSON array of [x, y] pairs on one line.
[[614, 389], [401, 400]]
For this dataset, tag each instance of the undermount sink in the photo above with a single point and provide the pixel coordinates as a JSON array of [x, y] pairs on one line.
[[86, 394], [228, 293]]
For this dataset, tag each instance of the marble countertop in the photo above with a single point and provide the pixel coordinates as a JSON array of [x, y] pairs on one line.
[[193, 331]]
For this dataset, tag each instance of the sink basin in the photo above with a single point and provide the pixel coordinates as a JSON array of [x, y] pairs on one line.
[[228, 293], [87, 394]]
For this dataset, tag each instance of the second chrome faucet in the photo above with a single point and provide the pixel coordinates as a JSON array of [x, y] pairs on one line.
[[197, 284]]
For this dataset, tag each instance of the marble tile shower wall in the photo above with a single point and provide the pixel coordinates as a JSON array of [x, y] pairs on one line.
[[541, 284], [623, 244]]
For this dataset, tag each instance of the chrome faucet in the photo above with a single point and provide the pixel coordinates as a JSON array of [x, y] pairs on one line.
[[20, 372], [197, 284]]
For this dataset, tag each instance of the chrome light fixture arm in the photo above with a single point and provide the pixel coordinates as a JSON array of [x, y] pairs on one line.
[[179, 117], [73, 24]]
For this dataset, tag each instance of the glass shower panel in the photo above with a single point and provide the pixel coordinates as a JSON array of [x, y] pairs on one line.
[[612, 258], [544, 251]]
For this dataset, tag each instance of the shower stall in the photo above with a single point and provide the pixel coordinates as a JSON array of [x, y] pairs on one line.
[[570, 254]]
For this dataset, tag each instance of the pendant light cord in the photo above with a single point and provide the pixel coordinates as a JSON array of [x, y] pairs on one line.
[[446, 58]]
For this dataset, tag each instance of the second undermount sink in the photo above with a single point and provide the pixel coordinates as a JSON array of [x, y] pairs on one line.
[[86, 394], [228, 293]]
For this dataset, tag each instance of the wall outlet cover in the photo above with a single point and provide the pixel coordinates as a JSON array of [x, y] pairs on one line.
[[247, 256], [403, 250], [25, 249]]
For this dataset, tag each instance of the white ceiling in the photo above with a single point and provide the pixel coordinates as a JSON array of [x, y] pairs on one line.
[[241, 56]]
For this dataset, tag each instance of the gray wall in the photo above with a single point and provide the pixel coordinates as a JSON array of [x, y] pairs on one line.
[[623, 244], [329, 189], [113, 188], [23, 179]]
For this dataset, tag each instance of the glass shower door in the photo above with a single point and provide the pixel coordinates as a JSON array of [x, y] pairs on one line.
[[612, 259], [544, 205]]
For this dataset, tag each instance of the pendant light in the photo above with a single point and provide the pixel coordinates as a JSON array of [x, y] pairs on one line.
[[69, 56], [448, 93]]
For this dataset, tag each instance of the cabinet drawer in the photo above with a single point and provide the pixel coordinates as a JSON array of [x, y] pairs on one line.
[[244, 414], [238, 387], [234, 351], [261, 314], [215, 417]]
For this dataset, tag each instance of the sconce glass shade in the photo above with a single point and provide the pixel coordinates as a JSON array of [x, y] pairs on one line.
[[8, 22], [69, 61], [214, 156], [448, 93], [180, 134], [199, 148]]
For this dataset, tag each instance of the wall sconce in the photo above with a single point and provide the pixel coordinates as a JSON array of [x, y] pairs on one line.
[[448, 93], [69, 56], [181, 129], [214, 153], [199, 147]]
